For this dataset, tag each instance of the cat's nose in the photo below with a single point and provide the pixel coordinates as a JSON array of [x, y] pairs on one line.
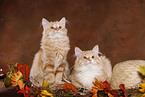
[[57, 29], [90, 59]]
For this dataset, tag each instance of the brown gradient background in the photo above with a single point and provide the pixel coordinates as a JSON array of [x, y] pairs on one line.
[[118, 26]]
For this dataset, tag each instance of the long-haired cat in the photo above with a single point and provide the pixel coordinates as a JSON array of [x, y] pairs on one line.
[[50, 61], [128, 73], [88, 66]]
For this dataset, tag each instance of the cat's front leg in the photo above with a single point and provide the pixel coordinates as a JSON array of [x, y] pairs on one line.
[[49, 73], [59, 74]]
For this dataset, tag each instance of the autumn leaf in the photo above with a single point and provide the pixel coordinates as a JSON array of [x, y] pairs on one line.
[[7, 82], [21, 84], [139, 95], [110, 95], [106, 85], [94, 92], [103, 86], [98, 85], [122, 87], [22, 91], [24, 70], [142, 69], [45, 93], [45, 84], [17, 76], [26, 91], [142, 87], [114, 92], [69, 87]]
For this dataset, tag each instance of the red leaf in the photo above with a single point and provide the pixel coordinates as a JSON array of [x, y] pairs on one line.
[[106, 85], [24, 70], [69, 87], [19, 66], [26, 91], [114, 92], [122, 87]]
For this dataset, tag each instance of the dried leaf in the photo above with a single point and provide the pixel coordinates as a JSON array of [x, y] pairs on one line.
[[142, 69], [7, 82], [106, 85], [24, 70], [26, 91], [94, 92], [17, 76], [21, 84], [114, 92], [45, 84], [69, 87], [139, 95], [98, 85], [122, 87], [110, 95], [142, 87], [45, 93]]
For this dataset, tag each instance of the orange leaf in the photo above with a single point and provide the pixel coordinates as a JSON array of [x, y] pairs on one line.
[[94, 91], [98, 84], [110, 95], [69, 87]]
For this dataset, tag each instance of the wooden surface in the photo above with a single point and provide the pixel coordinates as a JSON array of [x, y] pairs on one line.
[[118, 26]]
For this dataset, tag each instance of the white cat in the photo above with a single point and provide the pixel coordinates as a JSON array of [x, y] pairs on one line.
[[50, 61], [127, 73], [88, 66]]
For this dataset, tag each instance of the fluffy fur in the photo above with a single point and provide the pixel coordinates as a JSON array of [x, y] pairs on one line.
[[127, 73], [50, 61], [88, 66]]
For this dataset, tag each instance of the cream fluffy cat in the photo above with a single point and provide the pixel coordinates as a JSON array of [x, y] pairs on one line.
[[50, 61], [88, 66], [127, 73]]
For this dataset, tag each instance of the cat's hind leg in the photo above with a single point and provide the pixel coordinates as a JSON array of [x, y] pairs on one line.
[[36, 73]]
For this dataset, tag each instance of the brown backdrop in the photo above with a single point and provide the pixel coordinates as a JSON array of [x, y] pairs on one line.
[[118, 26]]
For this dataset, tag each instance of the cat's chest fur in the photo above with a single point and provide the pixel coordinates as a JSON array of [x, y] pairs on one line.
[[55, 49], [55, 43], [88, 73]]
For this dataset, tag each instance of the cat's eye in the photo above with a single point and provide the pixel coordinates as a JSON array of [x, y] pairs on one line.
[[92, 56], [52, 27], [59, 27], [85, 57]]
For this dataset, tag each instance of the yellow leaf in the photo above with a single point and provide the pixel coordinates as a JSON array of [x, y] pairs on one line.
[[45, 93], [17, 76], [21, 84], [45, 84], [142, 69]]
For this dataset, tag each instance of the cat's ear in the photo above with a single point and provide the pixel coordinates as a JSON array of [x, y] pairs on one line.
[[44, 23], [78, 51], [62, 21], [96, 49]]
